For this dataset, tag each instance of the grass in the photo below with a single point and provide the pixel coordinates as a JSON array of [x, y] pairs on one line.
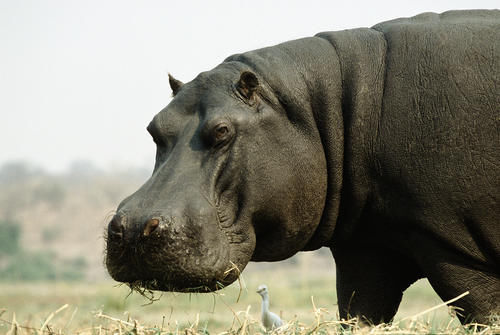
[[103, 308]]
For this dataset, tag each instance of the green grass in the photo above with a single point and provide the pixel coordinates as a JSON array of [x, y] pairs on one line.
[[90, 306]]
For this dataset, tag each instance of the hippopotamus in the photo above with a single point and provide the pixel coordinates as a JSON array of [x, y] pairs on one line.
[[382, 144]]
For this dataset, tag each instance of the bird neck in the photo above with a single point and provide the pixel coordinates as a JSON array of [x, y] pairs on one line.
[[265, 303]]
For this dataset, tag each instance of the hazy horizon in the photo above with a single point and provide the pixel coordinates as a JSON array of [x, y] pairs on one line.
[[80, 81]]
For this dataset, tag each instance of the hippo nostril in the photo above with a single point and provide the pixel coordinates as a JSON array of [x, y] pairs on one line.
[[150, 226], [116, 227]]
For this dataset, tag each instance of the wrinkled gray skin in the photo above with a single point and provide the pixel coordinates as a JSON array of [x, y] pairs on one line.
[[382, 144]]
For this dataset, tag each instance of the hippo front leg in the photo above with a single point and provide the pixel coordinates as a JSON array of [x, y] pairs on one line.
[[370, 282]]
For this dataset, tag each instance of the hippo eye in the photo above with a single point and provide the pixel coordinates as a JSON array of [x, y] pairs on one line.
[[221, 133]]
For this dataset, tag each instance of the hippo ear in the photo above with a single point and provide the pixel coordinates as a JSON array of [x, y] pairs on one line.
[[175, 84], [248, 84]]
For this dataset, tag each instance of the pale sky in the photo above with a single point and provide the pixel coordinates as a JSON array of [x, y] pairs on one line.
[[80, 80]]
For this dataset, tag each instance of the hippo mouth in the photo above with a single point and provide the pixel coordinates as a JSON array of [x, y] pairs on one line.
[[191, 285], [168, 286], [172, 278], [167, 259]]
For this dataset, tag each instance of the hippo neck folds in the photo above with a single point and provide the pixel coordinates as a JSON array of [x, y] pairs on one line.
[[240, 174]]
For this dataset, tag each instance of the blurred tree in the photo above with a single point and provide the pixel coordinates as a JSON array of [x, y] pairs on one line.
[[19, 264], [30, 266], [10, 235], [49, 191], [17, 171], [82, 170]]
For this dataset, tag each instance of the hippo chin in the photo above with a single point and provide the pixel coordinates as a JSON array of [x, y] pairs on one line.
[[381, 144]]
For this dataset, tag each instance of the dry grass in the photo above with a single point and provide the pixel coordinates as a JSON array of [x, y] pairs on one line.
[[245, 323], [104, 308], [66, 308]]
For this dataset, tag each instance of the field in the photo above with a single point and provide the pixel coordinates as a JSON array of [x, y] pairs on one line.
[[96, 308]]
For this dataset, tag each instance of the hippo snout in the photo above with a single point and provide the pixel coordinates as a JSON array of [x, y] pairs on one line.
[[168, 252]]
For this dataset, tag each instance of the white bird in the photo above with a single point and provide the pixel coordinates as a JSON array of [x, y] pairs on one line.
[[269, 319]]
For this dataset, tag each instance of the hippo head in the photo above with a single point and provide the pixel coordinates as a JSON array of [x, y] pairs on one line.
[[237, 177]]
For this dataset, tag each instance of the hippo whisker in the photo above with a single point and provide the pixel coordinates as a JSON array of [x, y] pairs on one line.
[[143, 288], [109, 215]]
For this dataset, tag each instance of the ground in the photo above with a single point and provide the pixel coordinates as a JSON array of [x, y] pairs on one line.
[[290, 289]]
